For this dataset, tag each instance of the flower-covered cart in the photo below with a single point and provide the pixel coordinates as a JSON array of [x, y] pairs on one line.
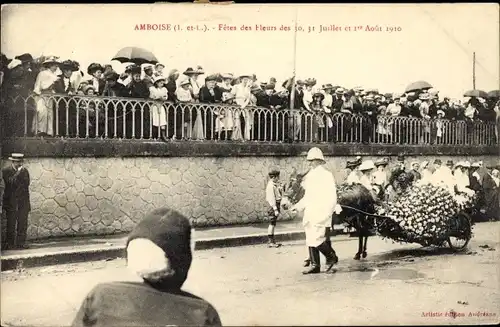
[[427, 215]]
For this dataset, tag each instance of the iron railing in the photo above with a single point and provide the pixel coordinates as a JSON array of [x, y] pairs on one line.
[[126, 118]]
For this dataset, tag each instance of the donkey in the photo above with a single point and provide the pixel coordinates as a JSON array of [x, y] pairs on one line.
[[351, 198]]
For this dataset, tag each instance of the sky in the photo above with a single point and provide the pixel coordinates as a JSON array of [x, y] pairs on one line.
[[431, 42]]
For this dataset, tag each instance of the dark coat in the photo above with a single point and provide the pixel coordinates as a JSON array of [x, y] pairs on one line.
[[298, 101], [266, 101], [117, 90], [138, 90], [337, 103], [171, 88], [60, 88], [414, 175], [206, 97], [127, 304], [16, 194]]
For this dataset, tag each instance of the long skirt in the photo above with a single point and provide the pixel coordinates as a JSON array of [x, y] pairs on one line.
[[44, 116], [492, 203], [159, 115], [198, 133]]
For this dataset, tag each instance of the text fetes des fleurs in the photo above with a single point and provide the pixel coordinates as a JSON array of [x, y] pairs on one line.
[[267, 28]]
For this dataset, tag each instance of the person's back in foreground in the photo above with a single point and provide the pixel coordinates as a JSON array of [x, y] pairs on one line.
[[158, 250]]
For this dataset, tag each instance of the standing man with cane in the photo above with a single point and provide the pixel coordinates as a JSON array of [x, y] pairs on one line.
[[16, 201], [319, 204]]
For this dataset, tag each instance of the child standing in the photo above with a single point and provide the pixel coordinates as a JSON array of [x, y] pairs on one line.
[[274, 193]]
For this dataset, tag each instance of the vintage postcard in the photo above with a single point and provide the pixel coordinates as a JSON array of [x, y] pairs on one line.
[[249, 164]]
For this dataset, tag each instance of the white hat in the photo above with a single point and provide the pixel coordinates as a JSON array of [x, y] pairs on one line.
[[367, 165], [16, 157], [466, 164], [158, 78], [184, 82], [441, 112], [315, 154], [476, 165], [14, 63]]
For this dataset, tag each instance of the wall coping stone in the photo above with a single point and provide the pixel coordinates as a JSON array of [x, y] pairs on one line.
[[71, 148]]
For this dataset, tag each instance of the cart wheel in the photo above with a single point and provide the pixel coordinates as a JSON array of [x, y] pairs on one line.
[[460, 232]]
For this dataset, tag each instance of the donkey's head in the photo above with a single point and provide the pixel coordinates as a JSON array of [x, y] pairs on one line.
[[293, 191]]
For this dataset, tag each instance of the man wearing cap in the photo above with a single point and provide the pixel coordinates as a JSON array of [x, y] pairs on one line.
[[16, 200], [319, 204], [274, 193], [160, 252]]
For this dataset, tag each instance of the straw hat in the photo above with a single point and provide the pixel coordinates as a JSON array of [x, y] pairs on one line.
[[16, 157]]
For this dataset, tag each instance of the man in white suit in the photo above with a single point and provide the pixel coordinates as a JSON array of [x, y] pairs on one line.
[[319, 203]]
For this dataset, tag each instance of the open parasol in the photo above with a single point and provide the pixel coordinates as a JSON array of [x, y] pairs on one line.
[[495, 94], [417, 86], [136, 55], [476, 94]]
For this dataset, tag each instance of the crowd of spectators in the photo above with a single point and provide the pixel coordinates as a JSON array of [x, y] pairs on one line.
[[342, 114]]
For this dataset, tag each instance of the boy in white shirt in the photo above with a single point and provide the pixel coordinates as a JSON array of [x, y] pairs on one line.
[[274, 193]]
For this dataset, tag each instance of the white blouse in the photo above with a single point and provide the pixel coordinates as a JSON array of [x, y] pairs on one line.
[[242, 95], [183, 95], [158, 93]]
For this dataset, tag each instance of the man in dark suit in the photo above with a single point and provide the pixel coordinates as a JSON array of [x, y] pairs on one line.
[[64, 86], [209, 93], [16, 200]]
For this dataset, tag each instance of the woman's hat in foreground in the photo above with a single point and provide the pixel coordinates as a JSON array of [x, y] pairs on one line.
[[167, 231], [16, 157]]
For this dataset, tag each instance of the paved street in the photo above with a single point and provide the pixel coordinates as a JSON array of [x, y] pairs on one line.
[[255, 285]]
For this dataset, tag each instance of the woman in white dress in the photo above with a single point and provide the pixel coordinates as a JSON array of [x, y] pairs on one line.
[[242, 97], [44, 85], [159, 92], [224, 123], [184, 95]]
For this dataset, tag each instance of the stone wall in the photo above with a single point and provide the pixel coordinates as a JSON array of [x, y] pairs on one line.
[[84, 196]]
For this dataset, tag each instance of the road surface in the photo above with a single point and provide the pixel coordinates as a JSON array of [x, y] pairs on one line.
[[256, 285]]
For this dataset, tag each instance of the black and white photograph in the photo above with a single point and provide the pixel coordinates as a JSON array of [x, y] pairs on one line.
[[225, 164]]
